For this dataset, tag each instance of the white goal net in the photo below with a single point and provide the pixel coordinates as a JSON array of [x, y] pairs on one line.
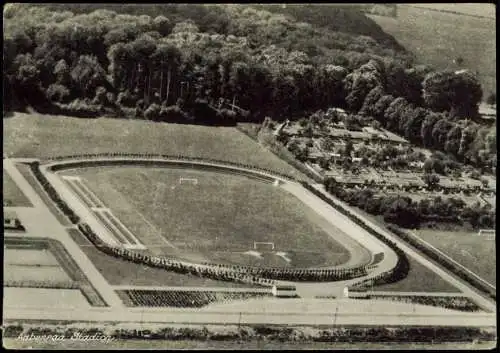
[[259, 245], [486, 232], [193, 181]]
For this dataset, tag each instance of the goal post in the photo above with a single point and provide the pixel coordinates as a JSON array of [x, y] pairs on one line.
[[193, 181], [267, 245], [486, 232]]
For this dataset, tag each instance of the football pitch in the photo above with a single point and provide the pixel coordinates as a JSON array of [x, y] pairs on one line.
[[216, 217]]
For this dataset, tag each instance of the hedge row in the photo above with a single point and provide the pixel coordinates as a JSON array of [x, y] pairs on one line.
[[41, 284], [53, 193], [454, 303], [223, 272], [443, 261], [176, 157], [402, 267], [248, 333], [169, 264]]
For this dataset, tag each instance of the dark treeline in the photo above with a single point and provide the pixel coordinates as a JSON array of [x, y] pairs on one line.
[[158, 65], [175, 63]]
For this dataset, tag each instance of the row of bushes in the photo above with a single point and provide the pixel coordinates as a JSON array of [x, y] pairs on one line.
[[185, 299], [222, 272], [41, 284], [63, 206], [177, 157], [258, 332], [446, 263], [168, 264], [454, 303], [402, 267]]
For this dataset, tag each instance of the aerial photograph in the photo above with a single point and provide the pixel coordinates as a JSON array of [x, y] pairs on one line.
[[249, 176]]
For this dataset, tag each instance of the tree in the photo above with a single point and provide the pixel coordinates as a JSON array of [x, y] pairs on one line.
[[412, 124], [349, 147], [432, 180], [457, 92], [324, 163], [440, 133], [371, 99], [427, 127], [88, 75], [492, 98], [394, 113], [453, 138]]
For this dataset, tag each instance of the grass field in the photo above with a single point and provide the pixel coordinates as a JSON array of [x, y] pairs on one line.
[[218, 219], [119, 272], [419, 279], [30, 135], [476, 253], [43, 297], [29, 266], [12, 195], [437, 38]]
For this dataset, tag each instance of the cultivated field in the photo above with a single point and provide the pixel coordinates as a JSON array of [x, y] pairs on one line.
[[476, 253], [12, 195], [216, 220], [33, 268], [120, 272], [437, 38], [41, 263], [34, 135], [43, 297]]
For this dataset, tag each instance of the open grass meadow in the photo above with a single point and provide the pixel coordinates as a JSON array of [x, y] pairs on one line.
[[120, 272], [419, 279], [12, 195], [438, 38], [216, 220], [35, 135], [476, 253]]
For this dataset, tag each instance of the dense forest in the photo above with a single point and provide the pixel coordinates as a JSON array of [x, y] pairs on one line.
[[185, 63]]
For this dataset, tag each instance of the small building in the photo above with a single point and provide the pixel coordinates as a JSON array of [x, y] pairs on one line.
[[11, 221], [284, 291]]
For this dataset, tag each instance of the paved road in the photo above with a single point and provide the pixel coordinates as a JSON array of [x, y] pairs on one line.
[[327, 317], [40, 222], [119, 313]]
